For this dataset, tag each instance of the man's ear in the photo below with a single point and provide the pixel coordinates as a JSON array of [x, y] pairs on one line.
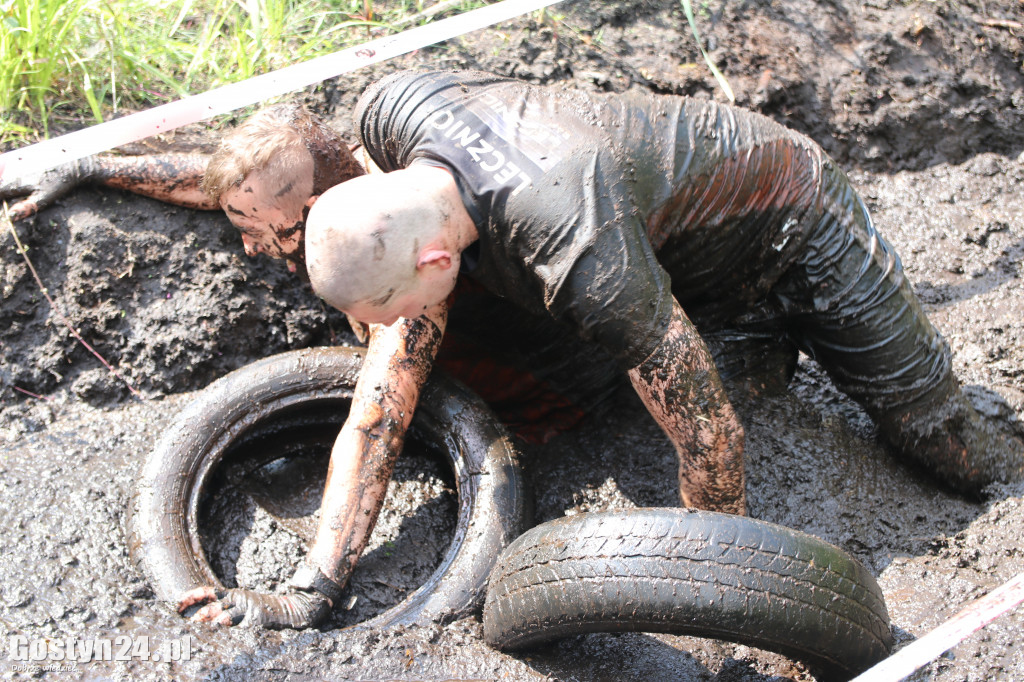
[[312, 200], [437, 257]]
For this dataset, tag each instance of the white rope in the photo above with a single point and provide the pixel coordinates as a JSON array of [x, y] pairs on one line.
[[104, 136], [943, 638]]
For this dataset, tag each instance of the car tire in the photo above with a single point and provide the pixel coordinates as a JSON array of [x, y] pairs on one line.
[[312, 389], [689, 572]]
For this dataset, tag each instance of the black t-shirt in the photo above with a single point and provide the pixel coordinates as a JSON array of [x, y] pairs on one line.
[[543, 175]]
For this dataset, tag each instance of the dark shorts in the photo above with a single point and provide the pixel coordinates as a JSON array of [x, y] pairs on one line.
[[844, 300]]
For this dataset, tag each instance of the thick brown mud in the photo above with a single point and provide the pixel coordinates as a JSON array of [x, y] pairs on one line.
[[923, 102]]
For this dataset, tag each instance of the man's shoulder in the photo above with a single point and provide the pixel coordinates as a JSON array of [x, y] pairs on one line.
[[391, 114], [468, 77], [412, 83]]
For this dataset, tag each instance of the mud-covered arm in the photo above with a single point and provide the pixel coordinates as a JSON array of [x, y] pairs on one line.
[[174, 178], [398, 360], [681, 388]]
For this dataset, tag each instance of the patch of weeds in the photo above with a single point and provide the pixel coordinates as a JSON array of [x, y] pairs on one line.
[[77, 61]]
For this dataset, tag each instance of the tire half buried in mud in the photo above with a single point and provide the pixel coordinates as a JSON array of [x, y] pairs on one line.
[[308, 390], [694, 573]]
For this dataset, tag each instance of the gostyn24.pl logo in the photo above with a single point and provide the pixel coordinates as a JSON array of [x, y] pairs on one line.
[[83, 650]]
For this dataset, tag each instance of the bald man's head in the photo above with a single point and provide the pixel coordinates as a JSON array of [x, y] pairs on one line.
[[367, 238]]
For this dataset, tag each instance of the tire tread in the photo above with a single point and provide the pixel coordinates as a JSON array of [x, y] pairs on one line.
[[688, 572]]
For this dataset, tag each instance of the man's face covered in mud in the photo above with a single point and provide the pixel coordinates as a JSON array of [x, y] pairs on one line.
[[270, 213]]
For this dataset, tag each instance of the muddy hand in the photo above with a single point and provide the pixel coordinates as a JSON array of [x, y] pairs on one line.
[[43, 188], [295, 609]]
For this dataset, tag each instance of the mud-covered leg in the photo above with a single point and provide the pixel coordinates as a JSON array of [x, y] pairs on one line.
[[681, 388], [869, 332], [954, 441]]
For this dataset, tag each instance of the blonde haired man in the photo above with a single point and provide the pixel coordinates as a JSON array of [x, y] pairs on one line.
[[276, 161]]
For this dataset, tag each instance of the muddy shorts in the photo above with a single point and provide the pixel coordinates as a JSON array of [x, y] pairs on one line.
[[841, 296]]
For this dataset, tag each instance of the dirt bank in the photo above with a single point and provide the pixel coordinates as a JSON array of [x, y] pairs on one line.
[[923, 102]]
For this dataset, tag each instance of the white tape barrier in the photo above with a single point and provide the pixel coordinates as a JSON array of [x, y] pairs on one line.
[[943, 638], [98, 138]]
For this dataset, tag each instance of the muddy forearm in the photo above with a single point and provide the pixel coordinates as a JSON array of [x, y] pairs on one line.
[[361, 465], [397, 364], [680, 386], [174, 178]]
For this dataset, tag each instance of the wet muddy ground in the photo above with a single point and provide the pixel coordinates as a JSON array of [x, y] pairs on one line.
[[922, 101]]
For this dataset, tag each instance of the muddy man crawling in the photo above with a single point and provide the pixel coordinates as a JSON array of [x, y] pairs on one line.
[[679, 242]]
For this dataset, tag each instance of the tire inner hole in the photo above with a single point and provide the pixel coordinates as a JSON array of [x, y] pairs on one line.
[[260, 511]]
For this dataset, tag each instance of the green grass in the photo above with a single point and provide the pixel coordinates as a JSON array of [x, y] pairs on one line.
[[719, 76], [30, 30], [73, 62], [78, 61]]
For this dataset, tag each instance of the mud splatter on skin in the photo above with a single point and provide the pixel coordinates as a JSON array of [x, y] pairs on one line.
[[382, 300], [422, 336], [169, 177], [333, 162], [680, 386], [289, 232], [379, 248], [284, 190]]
